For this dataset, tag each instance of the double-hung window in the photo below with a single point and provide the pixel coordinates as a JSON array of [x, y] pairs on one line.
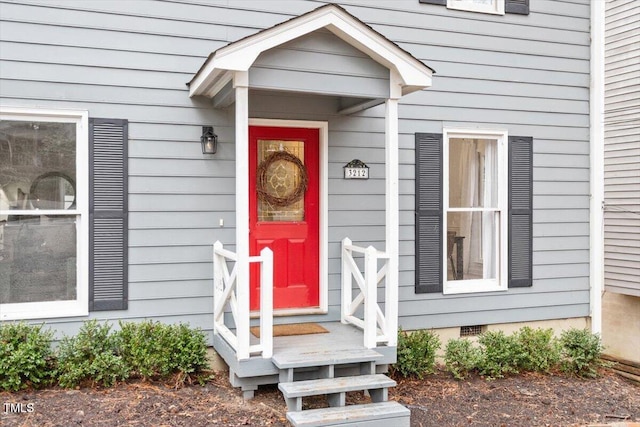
[[475, 211], [43, 213], [496, 7], [483, 6]]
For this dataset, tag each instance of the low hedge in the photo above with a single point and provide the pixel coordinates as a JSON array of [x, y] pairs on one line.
[[576, 352], [98, 355]]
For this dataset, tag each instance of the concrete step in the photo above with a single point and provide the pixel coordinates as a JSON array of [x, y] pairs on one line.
[[383, 414], [336, 389]]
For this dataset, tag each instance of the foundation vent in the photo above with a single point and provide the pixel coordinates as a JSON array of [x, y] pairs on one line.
[[471, 331]]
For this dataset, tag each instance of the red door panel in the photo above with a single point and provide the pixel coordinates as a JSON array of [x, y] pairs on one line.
[[291, 231]]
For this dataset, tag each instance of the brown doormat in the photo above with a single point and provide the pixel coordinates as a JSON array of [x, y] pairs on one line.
[[292, 329]]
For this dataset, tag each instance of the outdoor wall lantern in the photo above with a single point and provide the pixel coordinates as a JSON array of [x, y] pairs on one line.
[[209, 140]]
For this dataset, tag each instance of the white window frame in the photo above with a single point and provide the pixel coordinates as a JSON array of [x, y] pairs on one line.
[[495, 8], [79, 306], [500, 283]]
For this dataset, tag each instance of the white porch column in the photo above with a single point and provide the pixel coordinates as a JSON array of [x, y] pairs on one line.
[[392, 222], [241, 85]]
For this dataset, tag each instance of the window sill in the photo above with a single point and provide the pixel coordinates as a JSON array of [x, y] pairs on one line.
[[473, 286], [43, 310]]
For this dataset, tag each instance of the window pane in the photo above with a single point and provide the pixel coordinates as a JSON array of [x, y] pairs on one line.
[[472, 251], [282, 178], [473, 174], [38, 259], [37, 165]]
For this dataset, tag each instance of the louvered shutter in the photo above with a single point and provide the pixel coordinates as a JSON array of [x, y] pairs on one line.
[[520, 7], [428, 212], [520, 211], [108, 214]]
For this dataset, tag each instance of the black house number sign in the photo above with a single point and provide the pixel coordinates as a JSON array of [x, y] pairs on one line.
[[356, 169]]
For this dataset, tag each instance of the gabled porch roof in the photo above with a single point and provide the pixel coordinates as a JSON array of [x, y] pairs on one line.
[[219, 68], [225, 75]]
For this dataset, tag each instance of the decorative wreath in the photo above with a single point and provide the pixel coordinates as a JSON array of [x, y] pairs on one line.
[[262, 184]]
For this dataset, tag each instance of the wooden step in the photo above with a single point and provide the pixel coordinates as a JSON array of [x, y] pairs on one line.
[[335, 389], [384, 414], [335, 385], [313, 358]]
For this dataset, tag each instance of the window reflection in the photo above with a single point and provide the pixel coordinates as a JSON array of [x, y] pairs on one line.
[[38, 259]]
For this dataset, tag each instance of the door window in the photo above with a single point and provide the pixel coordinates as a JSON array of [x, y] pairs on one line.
[[281, 180]]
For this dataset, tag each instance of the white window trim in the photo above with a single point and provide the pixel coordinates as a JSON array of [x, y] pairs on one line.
[[496, 8], [79, 306], [478, 285]]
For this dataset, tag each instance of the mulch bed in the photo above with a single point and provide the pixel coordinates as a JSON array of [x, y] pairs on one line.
[[438, 400]]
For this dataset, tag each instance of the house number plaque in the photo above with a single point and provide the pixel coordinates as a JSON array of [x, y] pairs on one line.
[[356, 169]]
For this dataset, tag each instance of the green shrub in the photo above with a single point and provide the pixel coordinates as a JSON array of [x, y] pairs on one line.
[[25, 356], [189, 350], [91, 355], [461, 357], [155, 350], [581, 351], [539, 350], [144, 350], [416, 353], [500, 354]]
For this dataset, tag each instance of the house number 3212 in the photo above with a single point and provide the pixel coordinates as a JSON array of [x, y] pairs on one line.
[[356, 173], [356, 169]]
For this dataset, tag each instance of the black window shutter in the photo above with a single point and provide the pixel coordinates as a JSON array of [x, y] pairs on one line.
[[520, 211], [428, 212], [520, 7], [108, 140]]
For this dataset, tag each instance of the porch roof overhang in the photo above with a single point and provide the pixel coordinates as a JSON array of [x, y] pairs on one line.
[[221, 65]]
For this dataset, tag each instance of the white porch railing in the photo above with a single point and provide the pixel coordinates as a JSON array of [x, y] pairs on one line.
[[226, 293], [378, 327]]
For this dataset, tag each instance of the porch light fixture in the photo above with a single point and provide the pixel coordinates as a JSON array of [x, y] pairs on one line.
[[209, 140]]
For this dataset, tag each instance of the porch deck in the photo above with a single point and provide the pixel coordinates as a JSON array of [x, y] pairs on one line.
[[257, 370]]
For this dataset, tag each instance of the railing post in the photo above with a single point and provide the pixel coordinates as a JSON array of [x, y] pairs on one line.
[[218, 283], [266, 302], [345, 275], [391, 305], [370, 297]]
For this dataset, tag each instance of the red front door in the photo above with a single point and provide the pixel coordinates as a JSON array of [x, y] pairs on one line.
[[283, 216]]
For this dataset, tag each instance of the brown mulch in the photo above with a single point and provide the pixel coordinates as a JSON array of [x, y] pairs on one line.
[[438, 400]]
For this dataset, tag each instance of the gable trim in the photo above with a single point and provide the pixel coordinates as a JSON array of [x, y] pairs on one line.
[[240, 55]]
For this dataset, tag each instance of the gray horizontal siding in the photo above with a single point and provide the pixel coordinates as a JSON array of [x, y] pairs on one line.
[[320, 63], [528, 74], [622, 148]]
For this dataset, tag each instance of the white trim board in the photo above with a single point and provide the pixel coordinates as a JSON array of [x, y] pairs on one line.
[[596, 131], [323, 128]]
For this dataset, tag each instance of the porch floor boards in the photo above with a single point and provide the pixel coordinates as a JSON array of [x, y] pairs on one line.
[[249, 373], [341, 337]]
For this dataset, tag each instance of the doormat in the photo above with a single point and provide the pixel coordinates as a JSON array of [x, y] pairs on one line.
[[293, 329]]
